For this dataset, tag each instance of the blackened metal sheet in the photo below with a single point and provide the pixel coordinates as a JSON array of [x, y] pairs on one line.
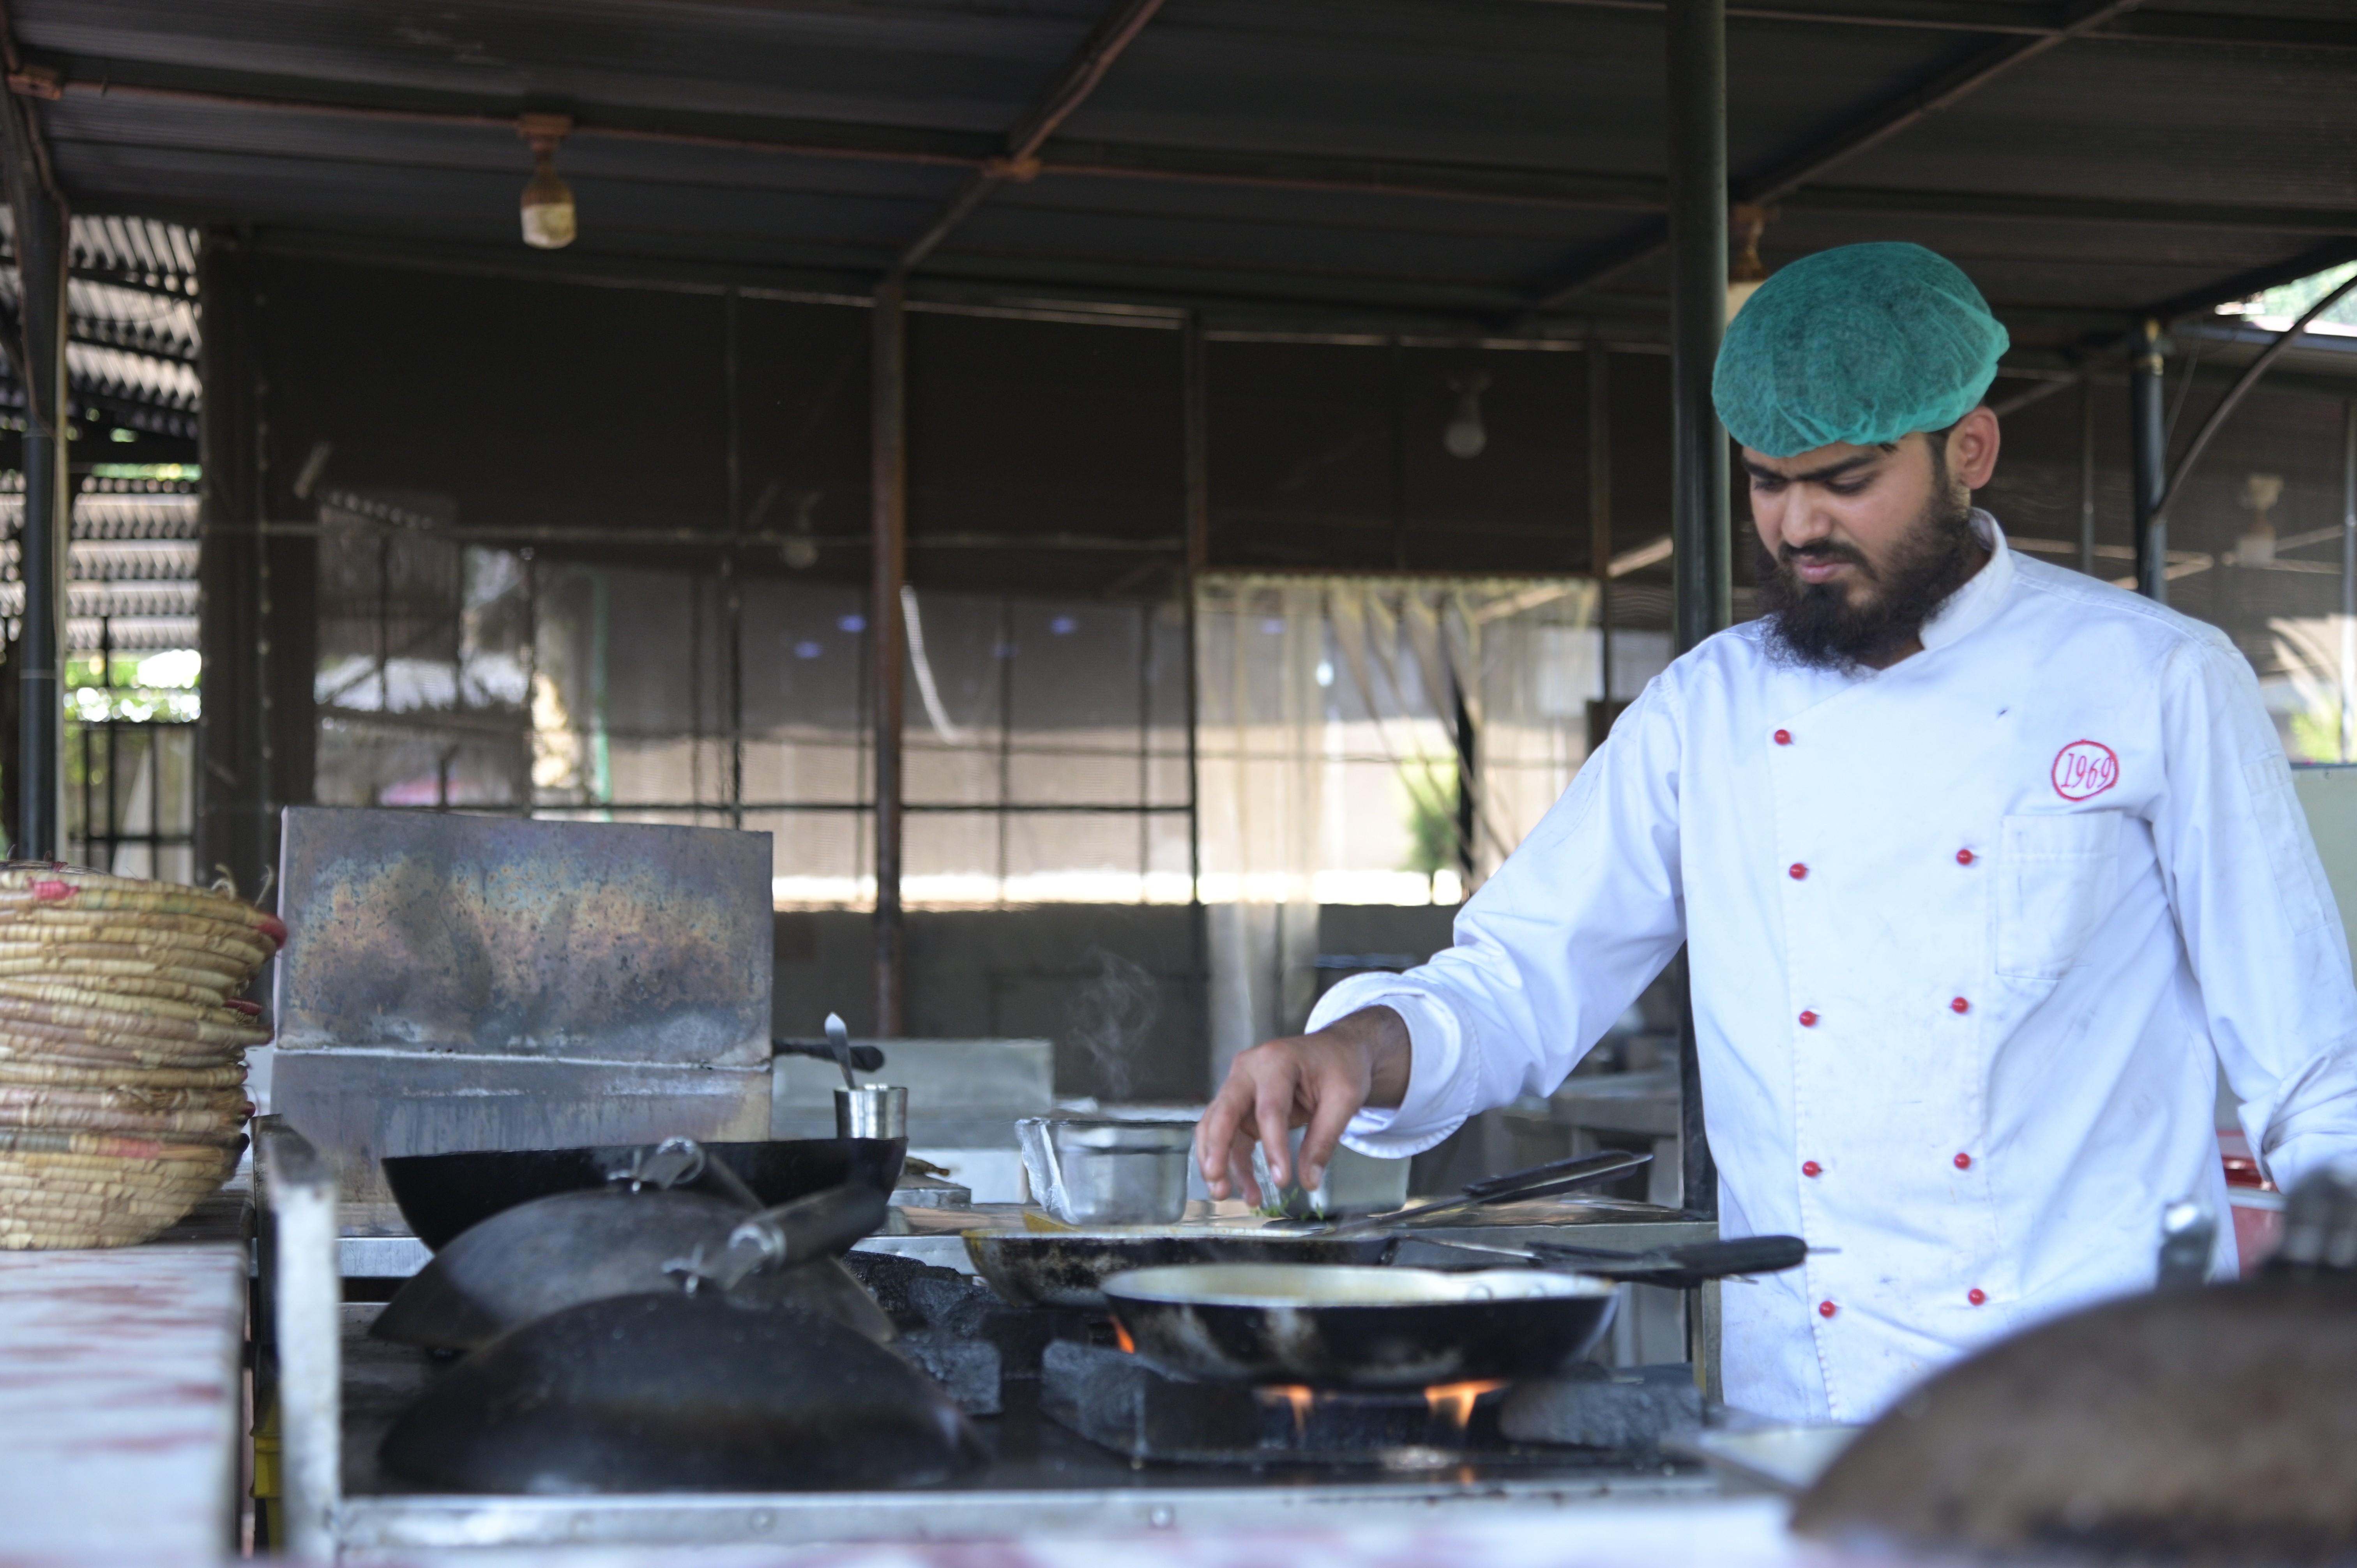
[[413, 931]]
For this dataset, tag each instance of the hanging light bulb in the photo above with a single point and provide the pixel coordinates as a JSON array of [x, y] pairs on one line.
[[2256, 543], [550, 222], [1466, 435], [1744, 222]]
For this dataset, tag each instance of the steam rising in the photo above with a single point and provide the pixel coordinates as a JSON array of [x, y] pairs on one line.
[[1111, 1018]]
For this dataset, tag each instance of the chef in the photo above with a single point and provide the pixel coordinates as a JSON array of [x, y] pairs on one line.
[[1985, 868]]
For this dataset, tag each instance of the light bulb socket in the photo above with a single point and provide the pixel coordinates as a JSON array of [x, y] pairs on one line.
[[550, 220]]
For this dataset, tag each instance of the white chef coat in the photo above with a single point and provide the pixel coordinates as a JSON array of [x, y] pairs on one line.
[[1968, 937]]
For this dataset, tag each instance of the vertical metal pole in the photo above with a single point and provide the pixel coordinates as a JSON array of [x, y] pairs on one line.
[[2348, 578], [1698, 518], [1006, 732], [1600, 521], [42, 273], [2087, 476], [888, 484], [1399, 455], [733, 607], [1698, 160], [233, 829], [1195, 489], [2149, 445], [1145, 749]]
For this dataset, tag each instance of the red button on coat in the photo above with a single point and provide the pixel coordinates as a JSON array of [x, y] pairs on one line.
[[1976, 1295], [1963, 857], [1783, 738], [1811, 1167], [1798, 871], [1808, 1020], [1826, 1309], [1964, 1161], [1959, 1005]]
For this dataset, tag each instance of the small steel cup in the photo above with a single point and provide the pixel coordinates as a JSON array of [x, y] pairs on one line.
[[871, 1110]]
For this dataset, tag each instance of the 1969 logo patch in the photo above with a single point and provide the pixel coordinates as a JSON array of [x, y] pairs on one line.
[[2085, 768]]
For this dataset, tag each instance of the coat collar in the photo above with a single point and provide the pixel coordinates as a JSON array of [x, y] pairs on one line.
[[1969, 606]]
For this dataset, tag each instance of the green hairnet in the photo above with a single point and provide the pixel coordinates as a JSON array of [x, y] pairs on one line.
[[1860, 344]]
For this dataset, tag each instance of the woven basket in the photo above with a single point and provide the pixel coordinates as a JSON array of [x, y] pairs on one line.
[[84, 1200], [227, 1075], [104, 1060], [120, 1085], [73, 887], [214, 1127]]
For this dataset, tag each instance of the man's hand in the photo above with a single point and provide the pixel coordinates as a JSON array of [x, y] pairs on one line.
[[1321, 1080]]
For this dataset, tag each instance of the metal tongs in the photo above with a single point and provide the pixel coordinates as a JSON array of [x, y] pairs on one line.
[[1673, 1268], [1539, 1181]]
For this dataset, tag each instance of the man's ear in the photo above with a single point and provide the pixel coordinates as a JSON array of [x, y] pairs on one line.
[[1972, 444]]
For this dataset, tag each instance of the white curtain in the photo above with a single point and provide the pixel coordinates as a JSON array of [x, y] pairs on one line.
[[1329, 737]]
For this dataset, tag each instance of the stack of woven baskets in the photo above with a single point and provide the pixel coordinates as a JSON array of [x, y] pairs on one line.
[[122, 1097]]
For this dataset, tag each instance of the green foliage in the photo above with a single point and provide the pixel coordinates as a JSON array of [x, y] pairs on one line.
[[2291, 298], [2315, 735], [1431, 814]]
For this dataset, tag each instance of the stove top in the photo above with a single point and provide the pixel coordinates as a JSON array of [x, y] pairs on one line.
[[1081, 1438]]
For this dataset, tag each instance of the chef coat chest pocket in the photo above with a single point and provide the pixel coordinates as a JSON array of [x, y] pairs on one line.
[[2057, 875]]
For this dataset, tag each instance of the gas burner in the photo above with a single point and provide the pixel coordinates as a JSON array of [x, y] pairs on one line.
[[1114, 1399], [1123, 1403]]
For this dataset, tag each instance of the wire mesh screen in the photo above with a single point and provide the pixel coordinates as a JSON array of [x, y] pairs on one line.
[[130, 797], [1046, 748]]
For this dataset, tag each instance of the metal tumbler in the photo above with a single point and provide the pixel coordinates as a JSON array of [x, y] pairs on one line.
[[871, 1110]]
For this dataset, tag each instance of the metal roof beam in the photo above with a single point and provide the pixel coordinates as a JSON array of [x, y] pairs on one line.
[[1112, 34], [1977, 16], [1943, 90], [1565, 189], [2258, 279]]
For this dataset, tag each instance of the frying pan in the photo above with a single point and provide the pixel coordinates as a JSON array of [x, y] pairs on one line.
[[1342, 1327], [442, 1196], [1392, 1328], [553, 1253], [678, 1392], [1065, 1268]]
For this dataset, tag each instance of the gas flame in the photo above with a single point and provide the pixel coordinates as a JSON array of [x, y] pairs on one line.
[[1451, 1404], [1301, 1396], [1121, 1337]]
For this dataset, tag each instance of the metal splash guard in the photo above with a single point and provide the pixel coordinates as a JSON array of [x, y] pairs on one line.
[[413, 931]]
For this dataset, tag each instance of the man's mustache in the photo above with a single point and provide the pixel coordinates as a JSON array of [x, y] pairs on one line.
[[1825, 550]]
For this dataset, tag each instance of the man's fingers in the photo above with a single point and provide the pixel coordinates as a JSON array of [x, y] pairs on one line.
[[1217, 1130], [1214, 1133], [1240, 1161], [1327, 1120], [1272, 1111]]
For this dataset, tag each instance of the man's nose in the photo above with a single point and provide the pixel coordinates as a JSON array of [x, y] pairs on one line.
[[1806, 520]]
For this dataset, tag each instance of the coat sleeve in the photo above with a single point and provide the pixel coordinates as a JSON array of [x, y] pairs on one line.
[[1549, 953], [2262, 934]]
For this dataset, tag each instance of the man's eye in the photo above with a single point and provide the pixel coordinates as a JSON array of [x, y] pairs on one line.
[[1761, 485], [1846, 486]]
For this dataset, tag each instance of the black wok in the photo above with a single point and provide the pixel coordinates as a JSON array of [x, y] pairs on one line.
[[553, 1253], [677, 1392], [1358, 1327], [442, 1196]]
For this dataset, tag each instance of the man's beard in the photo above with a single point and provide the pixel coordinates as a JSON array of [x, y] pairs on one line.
[[1815, 624]]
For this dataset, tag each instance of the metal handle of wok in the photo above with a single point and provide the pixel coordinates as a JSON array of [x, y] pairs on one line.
[[1539, 1181], [816, 1226], [867, 1058], [1674, 1268]]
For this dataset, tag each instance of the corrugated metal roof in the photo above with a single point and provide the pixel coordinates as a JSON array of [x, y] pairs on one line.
[[1440, 156]]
